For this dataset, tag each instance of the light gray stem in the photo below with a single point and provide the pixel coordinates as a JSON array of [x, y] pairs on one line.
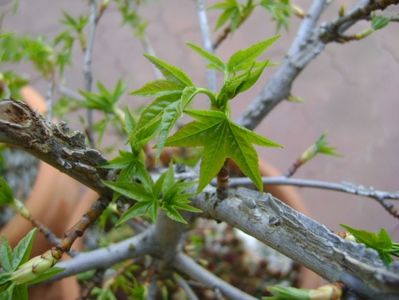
[[188, 266], [186, 287], [105, 257], [304, 240], [206, 40], [87, 64]]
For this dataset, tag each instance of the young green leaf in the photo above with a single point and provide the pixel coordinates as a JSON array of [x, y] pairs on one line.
[[170, 72], [281, 10], [242, 58], [50, 273], [379, 22], [158, 88], [6, 255], [380, 241], [221, 139], [6, 193], [213, 59], [22, 251]]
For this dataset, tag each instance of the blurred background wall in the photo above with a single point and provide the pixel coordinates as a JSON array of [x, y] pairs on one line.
[[350, 91]]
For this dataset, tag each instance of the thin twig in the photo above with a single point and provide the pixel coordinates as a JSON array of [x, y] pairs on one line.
[[87, 66], [221, 37], [344, 187], [50, 97], [70, 93], [206, 40], [153, 288], [187, 265], [186, 287], [362, 10], [222, 181]]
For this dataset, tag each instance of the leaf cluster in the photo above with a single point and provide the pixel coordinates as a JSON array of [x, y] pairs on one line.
[[212, 130], [130, 16], [234, 13], [165, 193], [10, 260]]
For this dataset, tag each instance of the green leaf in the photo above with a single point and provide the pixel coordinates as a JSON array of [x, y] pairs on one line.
[[209, 56], [6, 255], [244, 57], [221, 139], [238, 84], [287, 293], [20, 292], [379, 22], [172, 113], [7, 294], [170, 72], [381, 242], [50, 273], [22, 251], [280, 10], [131, 190], [158, 88], [6, 193]]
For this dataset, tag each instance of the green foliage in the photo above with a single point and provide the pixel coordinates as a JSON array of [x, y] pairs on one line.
[[6, 193], [11, 84], [287, 293], [281, 11], [221, 139], [104, 100], [319, 147], [379, 22], [10, 261], [381, 242], [172, 96], [166, 193], [130, 16], [233, 12]]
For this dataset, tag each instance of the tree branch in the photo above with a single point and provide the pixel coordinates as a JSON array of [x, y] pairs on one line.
[[188, 266], [260, 215], [309, 42], [362, 10], [344, 187], [102, 258], [305, 47], [87, 65], [304, 240], [206, 40]]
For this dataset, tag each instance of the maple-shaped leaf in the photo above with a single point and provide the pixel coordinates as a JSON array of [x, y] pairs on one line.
[[166, 193], [221, 139]]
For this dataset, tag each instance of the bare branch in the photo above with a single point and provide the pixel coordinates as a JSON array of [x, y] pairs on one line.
[[344, 187], [304, 49], [362, 11], [50, 97], [185, 264], [206, 40], [304, 240], [105, 257], [309, 42], [186, 287], [87, 65]]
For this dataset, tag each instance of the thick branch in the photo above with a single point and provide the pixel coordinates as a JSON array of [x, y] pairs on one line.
[[52, 143], [102, 258], [185, 264], [303, 239]]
